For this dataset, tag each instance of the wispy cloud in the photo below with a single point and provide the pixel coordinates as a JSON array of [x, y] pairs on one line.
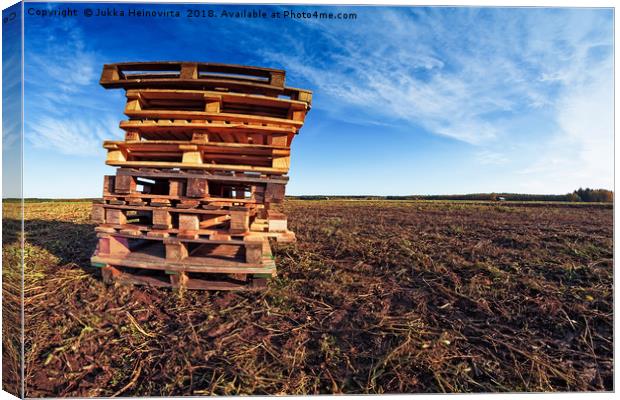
[[487, 157], [62, 111], [11, 89], [72, 136], [468, 74], [580, 152]]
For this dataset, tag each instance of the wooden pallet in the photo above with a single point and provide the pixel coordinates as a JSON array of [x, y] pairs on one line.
[[182, 280], [200, 131], [185, 190], [134, 111], [204, 76], [228, 156], [183, 222], [215, 102], [249, 256], [177, 72]]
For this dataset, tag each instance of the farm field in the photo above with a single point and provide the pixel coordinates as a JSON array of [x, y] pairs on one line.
[[375, 297]]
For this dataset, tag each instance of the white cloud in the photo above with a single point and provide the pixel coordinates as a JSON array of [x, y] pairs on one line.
[[62, 113], [469, 76], [82, 137], [487, 157], [390, 66], [580, 153]]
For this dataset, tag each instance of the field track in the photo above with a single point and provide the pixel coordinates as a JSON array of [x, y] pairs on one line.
[[375, 297]]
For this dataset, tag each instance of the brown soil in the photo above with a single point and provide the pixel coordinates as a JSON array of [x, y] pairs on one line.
[[376, 297]]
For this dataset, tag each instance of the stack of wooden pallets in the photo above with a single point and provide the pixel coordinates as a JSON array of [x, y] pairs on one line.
[[205, 158]]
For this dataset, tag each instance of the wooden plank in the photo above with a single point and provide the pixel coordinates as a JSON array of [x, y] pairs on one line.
[[221, 167], [197, 187], [97, 215], [253, 249], [160, 126], [124, 184], [191, 145], [170, 96], [281, 162], [162, 219], [113, 246], [189, 225], [213, 177], [277, 224], [188, 264], [229, 77], [274, 193], [239, 220], [108, 184], [176, 187], [115, 216], [132, 136], [214, 154], [176, 251], [189, 71], [213, 116]]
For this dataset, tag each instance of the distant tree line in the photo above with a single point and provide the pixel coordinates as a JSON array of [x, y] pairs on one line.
[[592, 195], [579, 195]]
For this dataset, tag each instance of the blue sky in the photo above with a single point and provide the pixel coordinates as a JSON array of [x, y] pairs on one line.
[[11, 102], [406, 100]]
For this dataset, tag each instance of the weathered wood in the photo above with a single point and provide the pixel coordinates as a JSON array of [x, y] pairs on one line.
[[216, 167], [98, 214], [274, 193], [132, 136], [177, 187], [276, 221], [192, 157], [197, 187], [226, 156], [179, 280], [219, 259], [229, 118], [108, 184], [189, 71], [239, 220], [190, 75], [124, 184], [116, 246], [114, 216], [189, 225], [176, 251], [214, 177], [200, 137], [253, 249], [162, 219], [218, 131]]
